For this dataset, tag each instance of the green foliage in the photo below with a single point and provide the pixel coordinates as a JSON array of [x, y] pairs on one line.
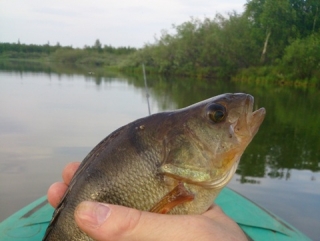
[[307, 16], [97, 46], [24, 48], [209, 48], [67, 55], [119, 50], [299, 66], [273, 18], [302, 57]]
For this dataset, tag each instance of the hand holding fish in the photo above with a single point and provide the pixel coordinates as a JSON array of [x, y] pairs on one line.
[[105, 222]]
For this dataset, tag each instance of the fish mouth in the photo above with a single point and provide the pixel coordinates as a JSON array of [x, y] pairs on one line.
[[248, 123]]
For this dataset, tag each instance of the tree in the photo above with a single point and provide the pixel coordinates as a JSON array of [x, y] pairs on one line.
[[308, 14], [274, 21], [302, 57], [97, 45]]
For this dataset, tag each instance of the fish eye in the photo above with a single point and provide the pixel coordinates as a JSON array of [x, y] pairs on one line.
[[216, 113]]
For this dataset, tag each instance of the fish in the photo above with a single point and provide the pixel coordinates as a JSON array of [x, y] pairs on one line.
[[173, 162]]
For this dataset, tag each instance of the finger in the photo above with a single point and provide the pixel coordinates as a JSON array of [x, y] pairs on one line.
[[56, 192], [69, 171], [105, 222]]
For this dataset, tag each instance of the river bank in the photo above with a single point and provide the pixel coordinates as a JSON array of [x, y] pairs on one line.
[[262, 76]]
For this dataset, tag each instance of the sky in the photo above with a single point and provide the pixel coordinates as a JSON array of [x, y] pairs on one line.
[[117, 23]]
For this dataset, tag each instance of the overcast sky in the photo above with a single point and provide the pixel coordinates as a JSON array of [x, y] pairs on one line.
[[118, 22]]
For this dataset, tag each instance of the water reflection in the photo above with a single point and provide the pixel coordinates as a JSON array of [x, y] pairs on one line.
[[54, 115], [287, 140]]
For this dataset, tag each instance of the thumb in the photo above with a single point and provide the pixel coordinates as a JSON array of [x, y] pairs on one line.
[[105, 222]]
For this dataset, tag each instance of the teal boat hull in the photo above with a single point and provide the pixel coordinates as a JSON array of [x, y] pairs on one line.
[[30, 222]]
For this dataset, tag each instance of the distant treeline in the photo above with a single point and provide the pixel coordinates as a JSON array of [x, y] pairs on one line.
[[93, 55], [47, 48], [271, 41], [31, 48]]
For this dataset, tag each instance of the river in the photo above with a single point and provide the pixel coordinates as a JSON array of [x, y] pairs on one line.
[[49, 118]]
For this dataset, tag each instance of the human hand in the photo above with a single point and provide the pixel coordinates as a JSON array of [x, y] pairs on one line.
[[104, 222]]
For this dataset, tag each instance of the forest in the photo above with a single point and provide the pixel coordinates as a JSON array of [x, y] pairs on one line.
[[271, 41]]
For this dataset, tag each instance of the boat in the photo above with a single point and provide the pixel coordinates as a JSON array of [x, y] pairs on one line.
[[30, 222]]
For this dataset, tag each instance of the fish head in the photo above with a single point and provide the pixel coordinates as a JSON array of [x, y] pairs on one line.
[[205, 145]]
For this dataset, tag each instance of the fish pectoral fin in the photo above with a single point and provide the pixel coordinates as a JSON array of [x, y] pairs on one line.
[[173, 198]]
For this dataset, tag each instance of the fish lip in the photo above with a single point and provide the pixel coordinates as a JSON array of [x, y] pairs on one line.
[[249, 103], [250, 106], [257, 117], [254, 118], [248, 123]]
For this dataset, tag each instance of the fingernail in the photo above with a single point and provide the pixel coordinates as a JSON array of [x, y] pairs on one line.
[[92, 213]]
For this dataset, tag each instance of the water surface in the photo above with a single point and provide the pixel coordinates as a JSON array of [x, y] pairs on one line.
[[50, 118]]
